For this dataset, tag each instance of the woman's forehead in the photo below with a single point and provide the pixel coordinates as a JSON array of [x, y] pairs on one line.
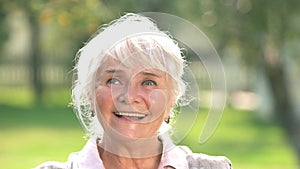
[[128, 63], [114, 66]]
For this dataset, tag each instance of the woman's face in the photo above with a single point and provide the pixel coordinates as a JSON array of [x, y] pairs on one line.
[[132, 101]]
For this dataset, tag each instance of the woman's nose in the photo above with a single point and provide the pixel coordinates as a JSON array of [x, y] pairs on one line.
[[130, 95]]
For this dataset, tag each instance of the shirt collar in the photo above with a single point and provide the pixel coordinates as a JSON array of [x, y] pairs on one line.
[[173, 155], [88, 157]]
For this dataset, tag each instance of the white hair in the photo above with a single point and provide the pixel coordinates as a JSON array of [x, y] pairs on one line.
[[129, 35]]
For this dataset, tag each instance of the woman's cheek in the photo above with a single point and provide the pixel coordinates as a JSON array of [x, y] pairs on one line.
[[158, 103], [103, 98]]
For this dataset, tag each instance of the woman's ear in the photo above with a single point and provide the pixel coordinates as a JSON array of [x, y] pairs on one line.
[[169, 108], [92, 105], [167, 120]]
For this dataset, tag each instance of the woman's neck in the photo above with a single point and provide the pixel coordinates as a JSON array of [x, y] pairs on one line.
[[130, 153]]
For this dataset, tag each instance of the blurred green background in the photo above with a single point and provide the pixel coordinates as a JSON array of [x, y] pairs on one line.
[[258, 43]]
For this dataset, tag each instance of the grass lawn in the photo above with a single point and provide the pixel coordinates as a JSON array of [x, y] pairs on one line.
[[248, 142], [30, 135]]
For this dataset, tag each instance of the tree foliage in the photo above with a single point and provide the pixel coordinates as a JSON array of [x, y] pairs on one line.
[[54, 25], [259, 31]]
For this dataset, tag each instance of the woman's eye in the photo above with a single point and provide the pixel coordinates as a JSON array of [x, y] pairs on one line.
[[149, 83], [113, 81]]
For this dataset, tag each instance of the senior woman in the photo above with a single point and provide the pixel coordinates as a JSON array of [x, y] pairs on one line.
[[128, 79]]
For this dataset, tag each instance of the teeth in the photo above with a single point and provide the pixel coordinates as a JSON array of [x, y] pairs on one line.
[[130, 114]]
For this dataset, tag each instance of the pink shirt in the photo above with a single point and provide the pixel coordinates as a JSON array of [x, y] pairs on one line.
[[88, 157], [178, 157]]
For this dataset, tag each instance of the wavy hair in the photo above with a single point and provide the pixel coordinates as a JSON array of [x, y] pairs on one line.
[[126, 36]]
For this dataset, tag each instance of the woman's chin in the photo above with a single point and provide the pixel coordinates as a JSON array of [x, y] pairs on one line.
[[128, 134]]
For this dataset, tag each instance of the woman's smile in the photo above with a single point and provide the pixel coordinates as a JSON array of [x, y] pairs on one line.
[[133, 116]]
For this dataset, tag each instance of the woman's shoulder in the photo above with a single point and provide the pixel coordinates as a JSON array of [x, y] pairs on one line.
[[69, 164], [87, 157], [54, 165], [204, 161]]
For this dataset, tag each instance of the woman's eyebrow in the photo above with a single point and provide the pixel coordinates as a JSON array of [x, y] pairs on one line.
[[110, 72], [113, 71], [151, 74]]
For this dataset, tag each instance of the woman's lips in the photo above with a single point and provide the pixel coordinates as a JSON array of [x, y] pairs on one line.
[[130, 115]]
